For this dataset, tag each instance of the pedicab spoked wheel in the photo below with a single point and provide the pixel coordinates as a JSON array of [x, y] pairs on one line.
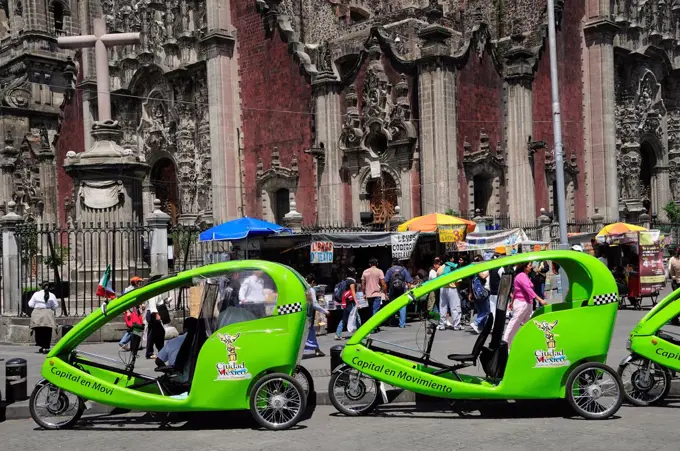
[[352, 392], [53, 408], [644, 382], [594, 391], [277, 401], [305, 379]]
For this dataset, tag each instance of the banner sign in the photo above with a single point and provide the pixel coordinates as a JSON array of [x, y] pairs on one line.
[[321, 252], [652, 272], [452, 233], [403, 244]]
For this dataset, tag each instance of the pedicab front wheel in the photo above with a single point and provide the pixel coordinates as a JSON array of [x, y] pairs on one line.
[[645, 383], [352, 392], [53, 408], [277, 401], [594, 391]]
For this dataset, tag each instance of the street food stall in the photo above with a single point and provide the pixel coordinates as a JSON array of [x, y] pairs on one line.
[[638, 253]]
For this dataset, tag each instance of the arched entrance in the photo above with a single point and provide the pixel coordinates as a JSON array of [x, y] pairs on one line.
[[164, 181], [382, 196], [483, 191], [647, 176]]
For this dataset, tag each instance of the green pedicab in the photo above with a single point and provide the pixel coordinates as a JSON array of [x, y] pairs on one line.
[[242, 356], [560, 353], [655, 354]]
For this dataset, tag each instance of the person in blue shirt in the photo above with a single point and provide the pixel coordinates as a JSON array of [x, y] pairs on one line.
[[168, 355], [398, 280]]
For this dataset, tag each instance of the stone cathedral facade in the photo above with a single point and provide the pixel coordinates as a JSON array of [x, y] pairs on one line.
[[348, 109]]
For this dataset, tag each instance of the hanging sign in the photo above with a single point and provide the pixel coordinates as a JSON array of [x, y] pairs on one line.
[[652, 272], [321, 252], [451, 233], [403, 244]]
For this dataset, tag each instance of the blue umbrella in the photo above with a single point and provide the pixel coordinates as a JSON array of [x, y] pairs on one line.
[[242, 228]]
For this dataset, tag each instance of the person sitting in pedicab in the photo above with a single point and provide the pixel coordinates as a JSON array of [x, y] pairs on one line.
[[252, 295], [168, 355]]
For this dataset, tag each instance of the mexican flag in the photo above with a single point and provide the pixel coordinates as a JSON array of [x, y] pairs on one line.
[[104, 289]]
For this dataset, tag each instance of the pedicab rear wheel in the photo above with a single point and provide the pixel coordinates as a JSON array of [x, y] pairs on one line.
[[352, 392], [57, 404], [305, 379], [277, 401], [594, 391], [645, 383]]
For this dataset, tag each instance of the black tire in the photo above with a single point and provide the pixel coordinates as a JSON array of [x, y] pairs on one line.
[[366, 409], [633, 393], [43, 384], [584, 372], [297, 396], [308, 386]]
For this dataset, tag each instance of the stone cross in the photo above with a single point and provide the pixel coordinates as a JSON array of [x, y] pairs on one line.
[[100, 41]]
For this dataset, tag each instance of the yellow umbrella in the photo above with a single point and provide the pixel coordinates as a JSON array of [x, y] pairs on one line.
[[431, 222], [619, 228]]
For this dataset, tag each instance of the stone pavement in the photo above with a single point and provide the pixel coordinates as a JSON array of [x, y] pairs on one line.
[[412, 336]]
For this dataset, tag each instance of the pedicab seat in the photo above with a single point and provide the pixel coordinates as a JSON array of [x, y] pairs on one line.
[[477, 348], [182, 356]]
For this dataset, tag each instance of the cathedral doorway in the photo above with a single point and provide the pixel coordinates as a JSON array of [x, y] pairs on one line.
[[647, 175], [164, 181], [382, 197], [483, 191], [281, 205]]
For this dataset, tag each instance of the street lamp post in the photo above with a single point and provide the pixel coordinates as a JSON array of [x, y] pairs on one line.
[[557, 131]]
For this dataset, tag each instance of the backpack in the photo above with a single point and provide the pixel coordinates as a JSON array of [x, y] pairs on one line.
[[339, 290], [478, 290], [397, 282], [449, 267]]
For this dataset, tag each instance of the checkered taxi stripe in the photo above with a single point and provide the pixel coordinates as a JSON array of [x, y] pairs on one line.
[[290, 308], [601, 299]]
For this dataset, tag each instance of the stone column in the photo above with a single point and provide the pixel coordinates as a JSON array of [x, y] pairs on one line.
[[599, 101], [11, 286], [293, 219], [158, 221], [224, 112], [48, 185], [438, 133], [328, 121], [8, 158], [663, 191], [520, 179]]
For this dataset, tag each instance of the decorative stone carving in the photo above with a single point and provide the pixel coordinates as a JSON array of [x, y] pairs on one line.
[[489, 163], [26, 178], [674, 153], [277, 177]]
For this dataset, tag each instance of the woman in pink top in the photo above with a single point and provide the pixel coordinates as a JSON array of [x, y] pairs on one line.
[[522, 301]]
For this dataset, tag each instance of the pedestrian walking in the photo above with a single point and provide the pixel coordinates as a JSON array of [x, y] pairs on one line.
[[398, 279], [312, 344], [43, 321], [449, 299], [133, 318], [494, 283], [348, 299], [522, 301], [480, 296], [373, 283], [674, 269], [156, 331]]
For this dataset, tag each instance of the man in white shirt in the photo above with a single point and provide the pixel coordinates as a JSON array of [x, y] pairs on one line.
[[251, 294]]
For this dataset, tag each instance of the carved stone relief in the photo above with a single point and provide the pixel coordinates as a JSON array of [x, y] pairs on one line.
[[272, 180], [674, 152]]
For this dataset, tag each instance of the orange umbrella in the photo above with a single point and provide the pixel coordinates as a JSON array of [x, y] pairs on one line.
[[431, 223], [619, 228]]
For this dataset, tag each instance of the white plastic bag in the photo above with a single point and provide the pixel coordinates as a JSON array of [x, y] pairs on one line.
[[170, 332], [352, 321]]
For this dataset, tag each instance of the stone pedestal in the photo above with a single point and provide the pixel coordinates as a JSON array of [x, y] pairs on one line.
[[438, 132], [397, 219], [545, 224], [11, 286], [158, 221], [108, 183], [598, 220], [293, 219], [520, 180]]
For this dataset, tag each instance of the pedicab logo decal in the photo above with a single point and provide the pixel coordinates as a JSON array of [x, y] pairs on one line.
[[231, 370], [552, 357]]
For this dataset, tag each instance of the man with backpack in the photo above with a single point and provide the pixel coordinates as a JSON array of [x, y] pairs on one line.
[[397, 279], [480, 296], [449, 301]]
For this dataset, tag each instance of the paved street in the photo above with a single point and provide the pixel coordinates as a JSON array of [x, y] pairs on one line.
[[498, 426], [399, 429]]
